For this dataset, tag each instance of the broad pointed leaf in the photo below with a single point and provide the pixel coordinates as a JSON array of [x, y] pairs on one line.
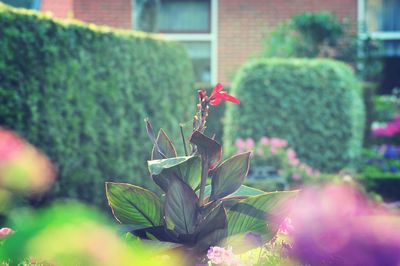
[[212, 228], [243, 192], [181, 208], [229, 176], [207, 148], [163, 147], [134, 205], [185, 168], [260, 214]]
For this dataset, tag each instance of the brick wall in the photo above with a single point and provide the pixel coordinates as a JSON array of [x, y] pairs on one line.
[[59, 8], [113, 13], [242, 26]]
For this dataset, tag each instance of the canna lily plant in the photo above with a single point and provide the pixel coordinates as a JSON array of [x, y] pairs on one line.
[[188, 211]]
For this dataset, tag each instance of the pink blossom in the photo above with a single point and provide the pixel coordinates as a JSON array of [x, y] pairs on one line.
[[294, 161], [260, 152], [273, 151], [264, 141], [296, 176], [286, 227], [219, 255], [291, 154], [249, 143], [309, 170], [5, 231], [240, 144], [388, 130], [10, 144], [278, 143]]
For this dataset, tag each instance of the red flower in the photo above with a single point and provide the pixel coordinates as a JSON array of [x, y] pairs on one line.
[[218, 95]]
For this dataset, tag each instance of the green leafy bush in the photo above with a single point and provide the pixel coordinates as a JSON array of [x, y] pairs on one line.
[[314, 104], [321, 34], [80, 93], [310, 35]]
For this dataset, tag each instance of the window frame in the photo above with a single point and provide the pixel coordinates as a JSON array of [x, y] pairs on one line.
[[376, 35], [210, 36], [207, 31]]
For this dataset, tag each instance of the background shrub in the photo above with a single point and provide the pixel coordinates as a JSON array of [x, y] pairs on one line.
[[80, 93], [315, 104]]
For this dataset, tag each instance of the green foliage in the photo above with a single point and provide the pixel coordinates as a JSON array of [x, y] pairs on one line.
[[320, 34], [193, 214], [309, 35], [385, 107], [80, 93], [314, 104]]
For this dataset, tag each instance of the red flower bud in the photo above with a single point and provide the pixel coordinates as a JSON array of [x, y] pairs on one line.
[[202, 94]]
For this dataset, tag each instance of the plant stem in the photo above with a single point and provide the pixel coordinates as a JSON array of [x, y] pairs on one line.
[[183, 139], [204, 173]]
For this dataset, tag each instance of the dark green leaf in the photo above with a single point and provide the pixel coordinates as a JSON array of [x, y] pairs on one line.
[[185, 168], [260, 214], [213, 227], [181, 208], [133, 205], [229, 176], [163, 147], [243, 192], [207, 148]]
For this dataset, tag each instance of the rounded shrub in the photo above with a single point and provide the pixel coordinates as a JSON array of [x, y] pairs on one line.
[[315, 104], [80, 93]]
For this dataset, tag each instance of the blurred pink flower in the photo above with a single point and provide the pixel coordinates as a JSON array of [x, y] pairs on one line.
[[260, 152], [240, 144], [273, 151], [309, 170], [291, 154], [337, 225], [286, 227], [388, 130], [23, 168], [296, 176], [219, 255], [249, 143], [294, 161], [264, 140], [5, 231], [278, 143], [10, 144]]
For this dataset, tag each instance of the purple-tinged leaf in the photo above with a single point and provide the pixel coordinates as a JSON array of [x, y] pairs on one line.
[[181, 208], [229, 176], [207, 148], [163, 147]]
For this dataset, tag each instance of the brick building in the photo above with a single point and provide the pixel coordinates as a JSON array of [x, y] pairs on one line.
[[222, 34]]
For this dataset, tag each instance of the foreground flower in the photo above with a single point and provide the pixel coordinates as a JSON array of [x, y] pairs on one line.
[[5, 231], [222, 256], [337, 225], [286, 227], [23, 168]]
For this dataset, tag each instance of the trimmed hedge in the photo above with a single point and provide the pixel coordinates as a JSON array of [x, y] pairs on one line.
[[80, 93], [315, 104]]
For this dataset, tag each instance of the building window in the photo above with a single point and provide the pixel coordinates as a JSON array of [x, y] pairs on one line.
[[380, 20], [28, 4], [191, 22], [382, 15]]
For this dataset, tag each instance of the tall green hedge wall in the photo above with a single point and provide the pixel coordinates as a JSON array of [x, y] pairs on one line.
[[315, 104], [80, 93]]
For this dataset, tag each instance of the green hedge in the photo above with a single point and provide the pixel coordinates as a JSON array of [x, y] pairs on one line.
[[80, 93], [315, 104]]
